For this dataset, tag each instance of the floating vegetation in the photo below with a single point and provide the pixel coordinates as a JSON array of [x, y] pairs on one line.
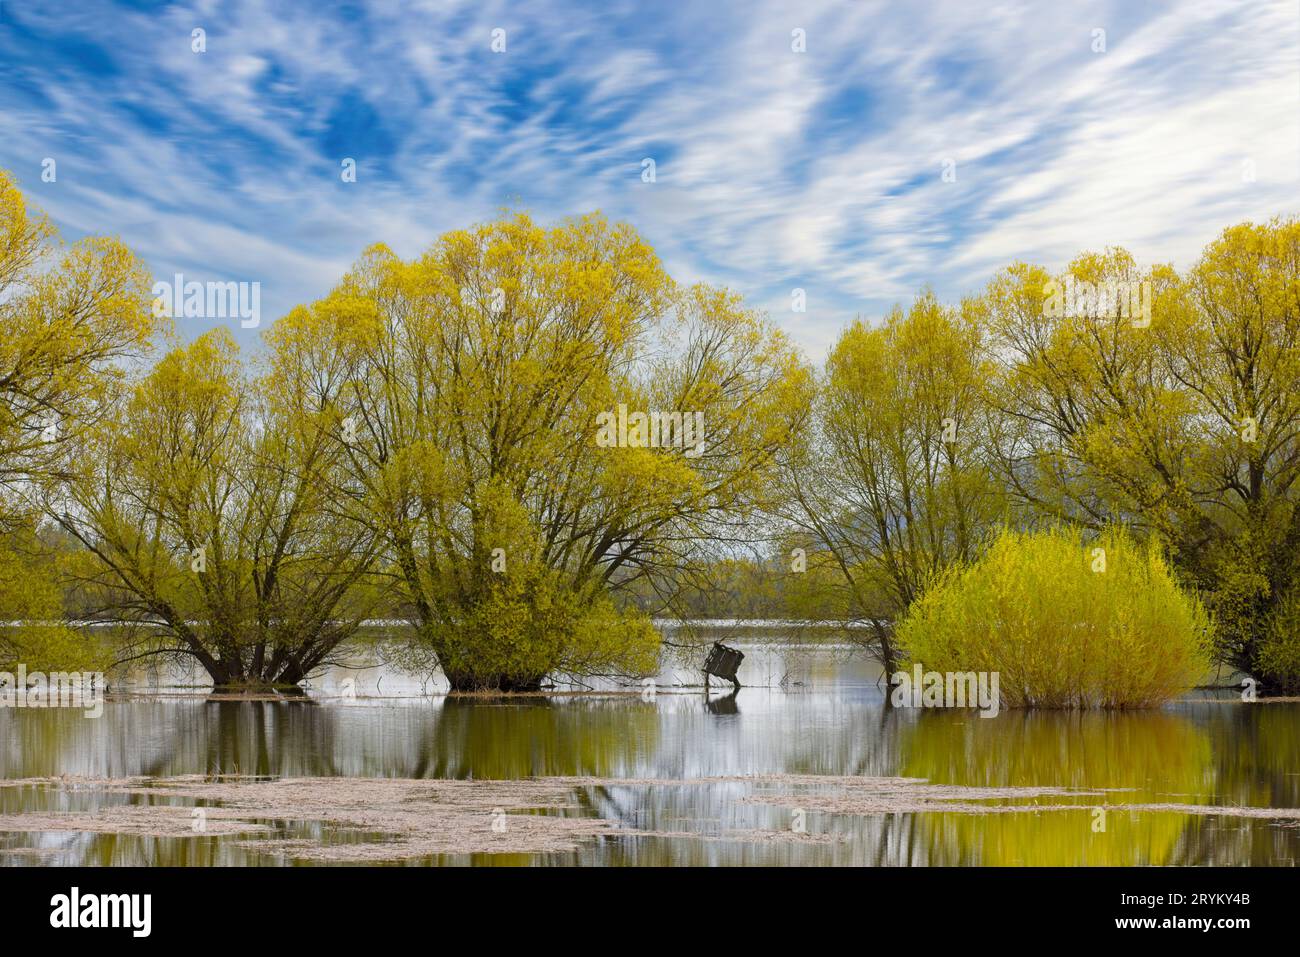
[[341, 819]]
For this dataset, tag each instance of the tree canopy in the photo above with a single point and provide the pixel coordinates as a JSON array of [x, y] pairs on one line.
[[529, 440]]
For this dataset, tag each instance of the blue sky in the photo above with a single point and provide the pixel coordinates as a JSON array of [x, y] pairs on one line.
[[776, 169]]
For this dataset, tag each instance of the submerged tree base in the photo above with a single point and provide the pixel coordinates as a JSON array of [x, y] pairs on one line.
[[502, 684], [257, 689]]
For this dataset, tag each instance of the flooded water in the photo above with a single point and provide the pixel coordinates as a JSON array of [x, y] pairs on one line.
[[799, 767]]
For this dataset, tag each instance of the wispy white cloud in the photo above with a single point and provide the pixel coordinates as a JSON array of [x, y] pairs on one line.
[[776, 169]]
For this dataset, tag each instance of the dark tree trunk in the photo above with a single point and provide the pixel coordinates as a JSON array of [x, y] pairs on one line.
[[888, 656]]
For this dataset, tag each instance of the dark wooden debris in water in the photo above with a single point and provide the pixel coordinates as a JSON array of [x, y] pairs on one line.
[[722, 662]]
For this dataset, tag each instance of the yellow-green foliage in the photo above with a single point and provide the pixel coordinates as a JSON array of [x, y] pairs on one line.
[[70, 316], [31, 630], [207, 498], [1067, 622], [519, 620], [1186, 414], [894, 481], [478, 378], [1279, 654], [525, 628]]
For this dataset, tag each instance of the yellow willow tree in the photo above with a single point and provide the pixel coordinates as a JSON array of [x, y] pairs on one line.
[[539, 416], [1188, 425], [71, 320], [1080, 388], [894, 482], [213, 504]]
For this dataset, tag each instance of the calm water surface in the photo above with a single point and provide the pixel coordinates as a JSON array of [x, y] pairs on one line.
[[805, 710]]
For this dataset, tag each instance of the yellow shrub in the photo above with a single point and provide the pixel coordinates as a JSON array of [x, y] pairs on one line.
[[1067, 622]]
